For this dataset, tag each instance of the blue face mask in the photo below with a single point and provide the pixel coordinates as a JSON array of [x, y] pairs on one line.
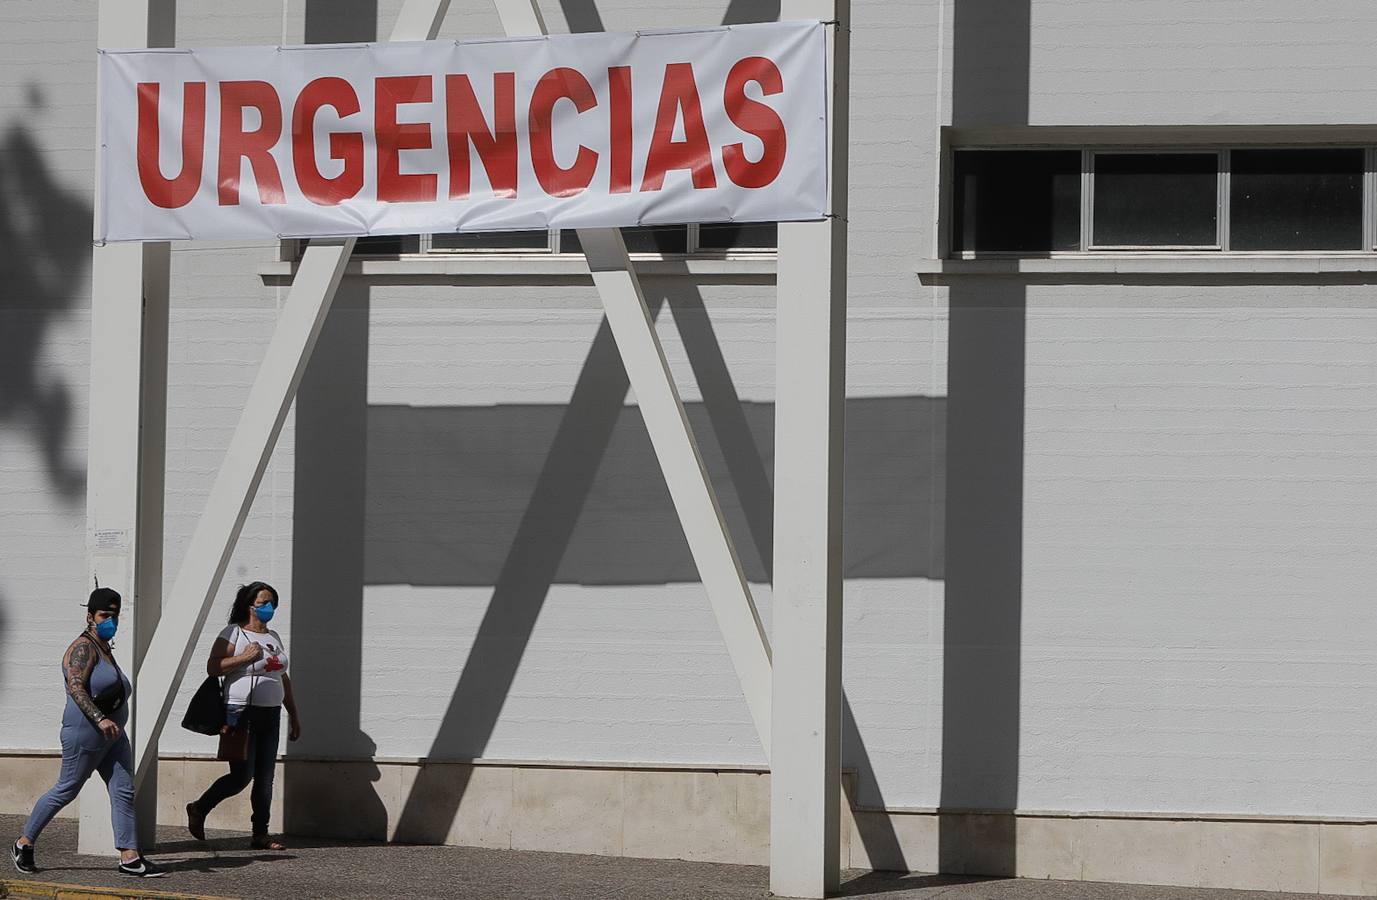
[[107, 629], [265, 612]]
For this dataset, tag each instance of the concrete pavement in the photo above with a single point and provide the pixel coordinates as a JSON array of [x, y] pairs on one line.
[[226, 867]]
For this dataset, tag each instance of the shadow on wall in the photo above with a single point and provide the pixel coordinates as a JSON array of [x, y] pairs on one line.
[[448, 488], [327, 584], [327, 544], [984, 590], [45, 230], [984, 508]]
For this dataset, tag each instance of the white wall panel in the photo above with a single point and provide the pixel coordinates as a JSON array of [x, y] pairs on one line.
[[1199, 494], [1182, 62]]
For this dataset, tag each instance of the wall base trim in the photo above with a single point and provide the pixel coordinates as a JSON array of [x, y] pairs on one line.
[[721, 814]]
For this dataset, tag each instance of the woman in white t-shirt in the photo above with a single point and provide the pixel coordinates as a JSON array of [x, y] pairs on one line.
[[253, 660]]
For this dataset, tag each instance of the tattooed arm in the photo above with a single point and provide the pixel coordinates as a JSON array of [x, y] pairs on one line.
[[80, 661]]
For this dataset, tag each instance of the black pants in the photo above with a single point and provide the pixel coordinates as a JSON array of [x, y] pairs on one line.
[[264, 727]]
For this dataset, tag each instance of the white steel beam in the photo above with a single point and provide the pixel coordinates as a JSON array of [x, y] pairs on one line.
[[128, 414], [270, 398], [695, 500], [810, 393]]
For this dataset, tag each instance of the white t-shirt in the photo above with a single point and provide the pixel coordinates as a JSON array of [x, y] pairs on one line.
[[264, 677]]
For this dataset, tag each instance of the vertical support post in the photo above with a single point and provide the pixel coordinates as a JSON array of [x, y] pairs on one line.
[[128, 417], [810, 393]]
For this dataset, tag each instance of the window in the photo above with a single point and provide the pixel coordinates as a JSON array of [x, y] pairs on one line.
[[647, 239], [743, 237], [1041, 201], [1160, 200], [1020, 201], [386, 245], [491, 241], [1297, 200]]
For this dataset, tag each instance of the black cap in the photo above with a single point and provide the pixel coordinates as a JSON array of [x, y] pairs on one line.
[[104, 599]]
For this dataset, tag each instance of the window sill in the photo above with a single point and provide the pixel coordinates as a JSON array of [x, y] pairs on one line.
[[1173, 266], [561, 269]]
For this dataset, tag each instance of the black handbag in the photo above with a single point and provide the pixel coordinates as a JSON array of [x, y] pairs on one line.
[[111, 700], [205, 714]]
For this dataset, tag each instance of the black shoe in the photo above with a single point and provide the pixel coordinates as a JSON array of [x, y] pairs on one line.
[[195, 822], [23, 859], [141, 868]]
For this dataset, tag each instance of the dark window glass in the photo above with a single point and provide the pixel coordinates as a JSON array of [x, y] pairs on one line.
[[641, 239], [1156, 199], [1026, 201], [1296, 200], [387, 245], [739, 236], [492, 240]]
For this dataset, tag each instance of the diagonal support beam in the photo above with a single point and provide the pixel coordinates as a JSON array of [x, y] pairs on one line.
[[270, 398], [694, 498]]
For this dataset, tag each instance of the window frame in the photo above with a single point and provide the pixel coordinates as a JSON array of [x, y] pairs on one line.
[[1088, 158], [552, 247], [1222, 246]]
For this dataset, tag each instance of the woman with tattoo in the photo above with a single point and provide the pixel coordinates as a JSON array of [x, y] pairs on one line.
[[253, 660], [93, 739]]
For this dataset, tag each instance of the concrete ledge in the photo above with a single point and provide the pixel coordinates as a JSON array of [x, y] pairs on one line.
[[1099, 268], [535, 269], [1151, 263], [722, 814], [1264, 855]]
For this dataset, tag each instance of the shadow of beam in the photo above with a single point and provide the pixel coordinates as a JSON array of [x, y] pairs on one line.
[[329, 495], [982, 627], [984, 511], [421, 459], [521, 588], [754, 490]]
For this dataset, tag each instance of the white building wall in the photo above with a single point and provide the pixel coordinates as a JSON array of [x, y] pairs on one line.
[[1200, 491], [1178, 62], [1196, 481]]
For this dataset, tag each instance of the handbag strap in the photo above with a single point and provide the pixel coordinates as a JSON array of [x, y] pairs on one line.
[[108, 656]]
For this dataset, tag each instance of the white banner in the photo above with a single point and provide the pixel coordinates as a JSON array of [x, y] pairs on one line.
[[567, 131]]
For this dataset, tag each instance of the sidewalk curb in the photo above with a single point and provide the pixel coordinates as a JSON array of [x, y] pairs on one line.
[[48, 890]]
